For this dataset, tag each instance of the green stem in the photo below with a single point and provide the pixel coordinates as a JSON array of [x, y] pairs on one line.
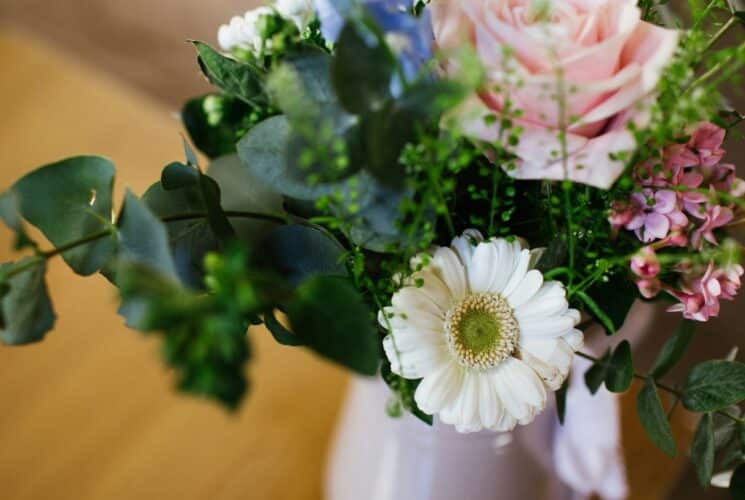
[[230, 214], [719, 34], [714, 70]]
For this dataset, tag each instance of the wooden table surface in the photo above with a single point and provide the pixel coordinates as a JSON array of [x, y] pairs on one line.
[[89, 413]]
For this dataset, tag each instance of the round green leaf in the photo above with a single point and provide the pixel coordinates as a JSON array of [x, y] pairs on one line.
[[25, 309], [68, 201], [330, 317]]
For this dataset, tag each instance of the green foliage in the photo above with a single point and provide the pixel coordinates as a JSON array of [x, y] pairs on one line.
[[363, 67], [596, 374], [26, 313], [9, 213], [612, 301], [403, 395], [653, 419], [281, 334], [702, 449], [216, 122], [620, 368], [297, 252], [714, 385], [737, 483], [673, 349], [204, 334], [238, 79], [561, 401], [68, 201], [329, 315]]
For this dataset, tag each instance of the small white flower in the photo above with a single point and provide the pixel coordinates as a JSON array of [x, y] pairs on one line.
[[243, 31], [488, 337], [298, 11]]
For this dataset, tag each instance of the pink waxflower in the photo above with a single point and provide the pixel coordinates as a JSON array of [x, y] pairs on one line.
[[645, 263], [729, 280], [658, 213], [714, 217], [700, 299], [707, 141]]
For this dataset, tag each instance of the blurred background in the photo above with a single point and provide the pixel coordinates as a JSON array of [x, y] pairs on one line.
[[89, 413]]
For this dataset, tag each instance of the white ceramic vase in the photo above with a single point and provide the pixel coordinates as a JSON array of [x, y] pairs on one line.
[[375, 457]]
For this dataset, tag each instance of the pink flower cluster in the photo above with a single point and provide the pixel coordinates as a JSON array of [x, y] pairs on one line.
[[679, 204], [699, 288]]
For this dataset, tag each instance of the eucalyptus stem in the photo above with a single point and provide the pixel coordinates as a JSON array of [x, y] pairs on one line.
[[664, 387], [229, 214], [719, 34], [712, 71]]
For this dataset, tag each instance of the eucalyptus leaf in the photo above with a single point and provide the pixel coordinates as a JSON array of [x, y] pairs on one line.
[[674, 348], [69, 201], [363, 67], [620, 368], [190, 239], [331, 318], [9, 213], [26, 309], [237, 79], [298, 251], [714, 385], [263, 150], [653, 418], [281, 334], [702, 449], [177, 175]]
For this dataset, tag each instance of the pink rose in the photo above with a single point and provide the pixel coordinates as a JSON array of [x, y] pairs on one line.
[[605, 58]]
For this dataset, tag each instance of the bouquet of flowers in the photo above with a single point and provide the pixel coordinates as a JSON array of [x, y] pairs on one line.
[[446, 194]]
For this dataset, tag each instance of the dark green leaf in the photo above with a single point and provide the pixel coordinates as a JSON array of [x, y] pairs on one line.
[[613, 300], [653, 419], [561, 401], [332, 319], [237, 79], [177, 175], [27, 313], [216, 217], [362, 68], [714, 385], [702, 449], [69, 201], [620, 368], [596, 374], [737, 483], [297, 252], [281, 334], [190, 240], [598, 312], [213, 122], [9, 213], [674, 348]]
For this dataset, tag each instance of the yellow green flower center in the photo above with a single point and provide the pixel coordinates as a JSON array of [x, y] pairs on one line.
[[481, 330]]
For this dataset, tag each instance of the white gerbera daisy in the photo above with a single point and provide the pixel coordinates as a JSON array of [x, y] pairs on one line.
[[483, 331]]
